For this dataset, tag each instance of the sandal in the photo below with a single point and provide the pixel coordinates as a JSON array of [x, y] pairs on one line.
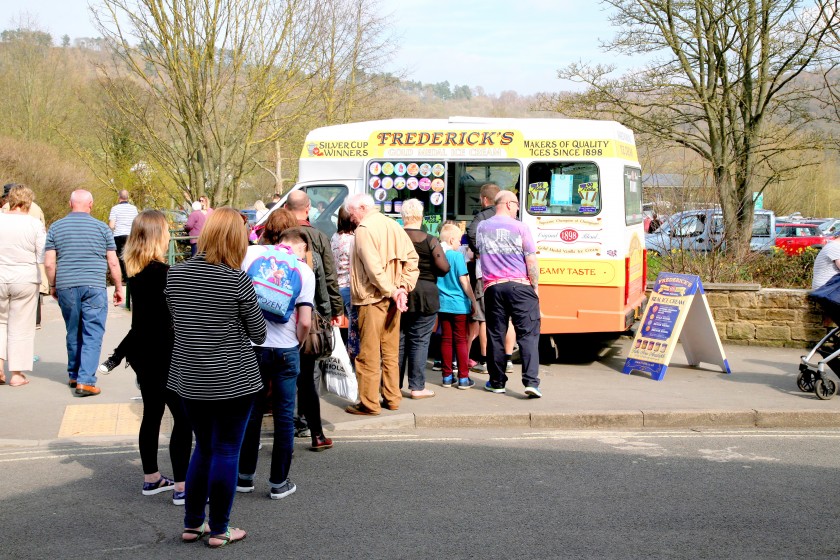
[[227, 538], [19, 383], [195, 535]]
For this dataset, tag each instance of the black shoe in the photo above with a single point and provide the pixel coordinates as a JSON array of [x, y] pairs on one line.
[[108, 365], [285, 489], [244, 485], [302, 432]]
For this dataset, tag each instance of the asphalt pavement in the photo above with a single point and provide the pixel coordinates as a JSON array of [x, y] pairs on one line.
[[487, 493]]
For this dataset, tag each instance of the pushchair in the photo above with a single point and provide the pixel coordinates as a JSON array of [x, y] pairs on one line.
[[812, 374]]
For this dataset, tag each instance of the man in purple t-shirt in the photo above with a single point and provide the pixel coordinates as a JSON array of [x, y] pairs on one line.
[[511, 276]]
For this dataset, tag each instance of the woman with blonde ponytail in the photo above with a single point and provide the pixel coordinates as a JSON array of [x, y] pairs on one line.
[[149, 351]]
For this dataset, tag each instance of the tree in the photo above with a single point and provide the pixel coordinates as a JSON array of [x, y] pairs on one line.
[[344, 85], [353, 40], [728, 80], [35, 100], [462, 92], [206, 79]]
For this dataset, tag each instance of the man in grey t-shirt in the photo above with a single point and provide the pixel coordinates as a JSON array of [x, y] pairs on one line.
[[827, 264]]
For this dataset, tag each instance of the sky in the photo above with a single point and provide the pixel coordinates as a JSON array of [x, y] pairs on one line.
[[499, 45]]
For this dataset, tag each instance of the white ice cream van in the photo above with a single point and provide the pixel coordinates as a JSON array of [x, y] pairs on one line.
[[579, 184]]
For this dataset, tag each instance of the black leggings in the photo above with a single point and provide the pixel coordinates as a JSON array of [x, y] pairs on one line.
[[309, 403], [155, 398]]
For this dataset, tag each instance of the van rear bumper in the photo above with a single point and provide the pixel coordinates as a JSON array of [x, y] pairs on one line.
[[587, 309], [635, 313]]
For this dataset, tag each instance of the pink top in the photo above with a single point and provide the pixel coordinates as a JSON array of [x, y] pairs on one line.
[[195, 223]]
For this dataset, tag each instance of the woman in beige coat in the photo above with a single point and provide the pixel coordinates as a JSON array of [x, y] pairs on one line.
[[22, 240]]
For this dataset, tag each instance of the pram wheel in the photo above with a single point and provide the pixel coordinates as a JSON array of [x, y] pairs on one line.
[[805, 381], [825, 388]]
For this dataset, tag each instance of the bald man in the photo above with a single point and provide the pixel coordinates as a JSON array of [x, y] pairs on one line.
[[511, 277], [79, 250]]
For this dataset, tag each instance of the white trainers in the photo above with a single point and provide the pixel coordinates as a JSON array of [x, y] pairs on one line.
[[479, 368], [533, 392]]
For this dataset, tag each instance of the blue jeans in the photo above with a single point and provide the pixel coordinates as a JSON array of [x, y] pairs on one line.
[[415, 334], [279, 367], [84, 309], [345, 297], [353, 328], [219, 428]]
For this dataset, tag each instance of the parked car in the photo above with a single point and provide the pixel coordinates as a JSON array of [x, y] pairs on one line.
[[252, 216], [702, 230], [830, 227], [176, 218], [794, 238]]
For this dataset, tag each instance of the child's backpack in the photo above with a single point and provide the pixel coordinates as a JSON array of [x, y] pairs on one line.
[[277, 281]]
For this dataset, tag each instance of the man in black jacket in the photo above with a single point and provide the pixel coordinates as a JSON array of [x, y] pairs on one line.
[[487, 196], [298, 204], [309, 406]]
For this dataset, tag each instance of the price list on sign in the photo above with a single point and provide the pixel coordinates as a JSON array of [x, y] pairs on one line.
[[677, 311]]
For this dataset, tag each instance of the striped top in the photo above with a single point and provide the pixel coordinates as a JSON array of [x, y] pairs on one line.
[[122, 215], [216, 317], [80, 242]]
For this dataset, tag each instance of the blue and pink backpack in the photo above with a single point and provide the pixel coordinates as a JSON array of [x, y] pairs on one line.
[[277, 280]]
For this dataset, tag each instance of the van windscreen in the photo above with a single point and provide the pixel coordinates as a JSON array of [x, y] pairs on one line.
[[761, 225]]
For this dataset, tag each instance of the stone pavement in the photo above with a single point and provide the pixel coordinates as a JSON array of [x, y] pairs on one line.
[[760, 392]]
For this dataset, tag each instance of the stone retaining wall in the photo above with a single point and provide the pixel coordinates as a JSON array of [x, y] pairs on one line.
[[755, 316]]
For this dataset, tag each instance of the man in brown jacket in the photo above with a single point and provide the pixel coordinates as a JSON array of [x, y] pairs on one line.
[[383, 270]]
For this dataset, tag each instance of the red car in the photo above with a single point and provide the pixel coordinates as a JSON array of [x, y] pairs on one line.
[[794, 238]]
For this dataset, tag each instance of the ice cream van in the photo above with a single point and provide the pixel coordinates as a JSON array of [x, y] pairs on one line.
[[579, 183]]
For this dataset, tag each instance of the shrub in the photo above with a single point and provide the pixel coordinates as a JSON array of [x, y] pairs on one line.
[[43, 169], [775, 269]]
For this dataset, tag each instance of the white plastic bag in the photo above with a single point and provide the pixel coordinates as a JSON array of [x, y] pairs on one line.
[[337, 372]]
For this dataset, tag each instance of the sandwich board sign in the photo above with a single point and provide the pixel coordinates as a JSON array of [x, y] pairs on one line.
[[676, 311]]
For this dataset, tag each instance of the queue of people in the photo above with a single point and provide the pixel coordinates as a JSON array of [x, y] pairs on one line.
[[220, 368]]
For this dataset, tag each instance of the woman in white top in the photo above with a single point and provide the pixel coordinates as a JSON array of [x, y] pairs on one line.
[[259, 207], [22, 240]]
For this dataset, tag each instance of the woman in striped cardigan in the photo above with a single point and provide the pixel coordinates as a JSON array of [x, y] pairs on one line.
[[214, 368]]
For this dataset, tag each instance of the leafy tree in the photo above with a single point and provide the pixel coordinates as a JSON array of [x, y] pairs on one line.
[[462, 92], [727, 80], [442, 90], [27, 34]]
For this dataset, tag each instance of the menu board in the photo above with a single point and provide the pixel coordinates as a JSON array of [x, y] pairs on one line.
[[393, 182], [677, 301]]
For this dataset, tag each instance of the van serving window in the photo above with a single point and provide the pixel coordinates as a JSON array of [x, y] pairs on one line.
[[563, 189], [464, 183]]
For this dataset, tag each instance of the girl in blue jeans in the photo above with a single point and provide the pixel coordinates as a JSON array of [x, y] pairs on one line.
[[214, 370]]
